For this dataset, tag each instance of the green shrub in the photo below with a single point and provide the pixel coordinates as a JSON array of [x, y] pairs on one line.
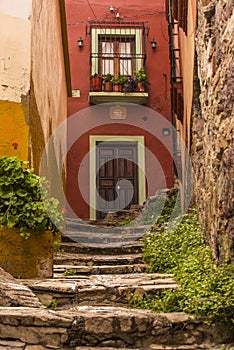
[[205, 290], [162, 211], [24, 200]]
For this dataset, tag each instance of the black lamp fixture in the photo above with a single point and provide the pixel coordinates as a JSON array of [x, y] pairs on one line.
[[80, 42], [153, 44]]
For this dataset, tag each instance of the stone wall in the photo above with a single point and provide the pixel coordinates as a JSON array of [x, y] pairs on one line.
[[213, 121]]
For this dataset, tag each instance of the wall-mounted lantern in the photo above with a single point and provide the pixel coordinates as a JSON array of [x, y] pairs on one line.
[[80, 42], [153, 44]]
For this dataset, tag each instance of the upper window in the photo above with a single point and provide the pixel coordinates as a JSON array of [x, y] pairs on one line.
[[117, 55], [117, 48]]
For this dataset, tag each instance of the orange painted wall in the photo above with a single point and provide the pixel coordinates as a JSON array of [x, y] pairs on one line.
[[158, 176], [157, 61], [139, 121], [152, 13], [13, 128]]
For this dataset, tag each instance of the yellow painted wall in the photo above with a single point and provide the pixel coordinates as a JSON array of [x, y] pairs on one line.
[[13, 127], [32, 257]]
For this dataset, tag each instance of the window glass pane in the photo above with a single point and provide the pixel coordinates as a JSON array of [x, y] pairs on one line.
[[126, 67], [125, 49], [107, 67], [107, 49]]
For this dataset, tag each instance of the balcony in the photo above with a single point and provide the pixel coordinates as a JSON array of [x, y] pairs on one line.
[[97, 97], [120, 89]]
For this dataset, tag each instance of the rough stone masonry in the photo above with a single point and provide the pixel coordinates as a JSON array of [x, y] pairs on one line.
[[213, 125]]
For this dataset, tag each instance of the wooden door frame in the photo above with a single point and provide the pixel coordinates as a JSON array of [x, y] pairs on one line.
[[93, 139]]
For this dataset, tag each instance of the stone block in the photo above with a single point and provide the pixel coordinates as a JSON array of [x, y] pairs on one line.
[[97, 325]]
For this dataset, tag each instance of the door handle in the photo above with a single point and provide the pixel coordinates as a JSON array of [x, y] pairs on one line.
[[118, 179]]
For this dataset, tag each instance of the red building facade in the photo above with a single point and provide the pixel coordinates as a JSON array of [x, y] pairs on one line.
[[119, 141]]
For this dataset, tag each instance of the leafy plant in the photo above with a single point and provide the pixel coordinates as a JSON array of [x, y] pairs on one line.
[[57, 246], [205, 290], [95, 75], [24, 201], [70, 272], [53, 304], [130, 85], [141, 75], [108, 78], [120, 80]]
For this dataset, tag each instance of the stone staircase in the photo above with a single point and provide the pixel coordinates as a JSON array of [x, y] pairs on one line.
[[86, 305], [99, 273]]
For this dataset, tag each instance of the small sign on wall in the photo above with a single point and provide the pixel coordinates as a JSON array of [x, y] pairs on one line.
[[75, 93], [117, 112]]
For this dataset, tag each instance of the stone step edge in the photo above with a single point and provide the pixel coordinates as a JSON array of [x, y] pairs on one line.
[[124, 244], [161, 347], [84, 256], [96, 320], [134, 247], [63, 268], [90, 263]]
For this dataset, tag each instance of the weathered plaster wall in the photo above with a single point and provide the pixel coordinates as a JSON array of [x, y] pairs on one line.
[[213, 125], [15, 29], [48, 107], [186, 43], [48, 64], [14, 57], [33, 92], [187, 48]]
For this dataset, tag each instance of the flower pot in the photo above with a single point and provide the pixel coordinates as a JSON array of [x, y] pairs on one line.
[[26, 258], [140, 86], [108, 86], [117, 88], [96, 84]]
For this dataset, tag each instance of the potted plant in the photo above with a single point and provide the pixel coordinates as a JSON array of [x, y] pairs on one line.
[[118, 83], [29, 221], [130, 85], [96, 82], [142, 80], [108, 85]]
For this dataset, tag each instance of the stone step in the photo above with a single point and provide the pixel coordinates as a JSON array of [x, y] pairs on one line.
[[84, 226], [100, 289], [93, 239], [134, 247], [206, 346], [14, 293], [100, 348], [97, 260], [85, 233], [113, 327], [160, 347], [61, 270]]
